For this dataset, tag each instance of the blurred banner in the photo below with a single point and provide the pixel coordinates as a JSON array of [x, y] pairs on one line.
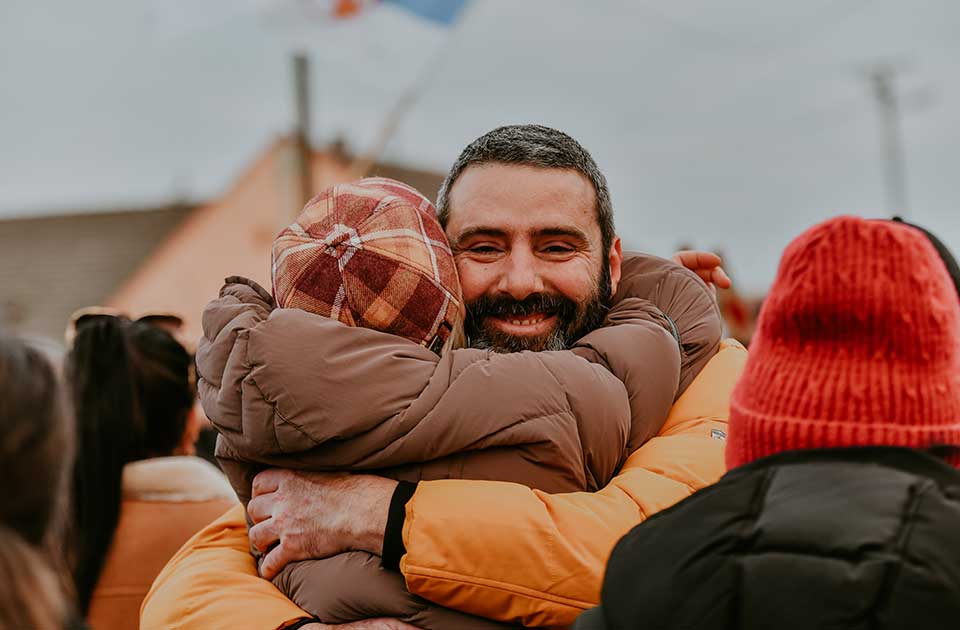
[[171, 19], [443, 12]]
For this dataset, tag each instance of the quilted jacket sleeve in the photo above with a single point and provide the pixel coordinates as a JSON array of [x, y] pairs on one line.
[[689, 306], [636, 345], [514, 554], [212, 582]]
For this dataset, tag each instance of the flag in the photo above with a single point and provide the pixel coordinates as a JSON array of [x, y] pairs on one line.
[[443, 12], [315, 11], [346, 8]]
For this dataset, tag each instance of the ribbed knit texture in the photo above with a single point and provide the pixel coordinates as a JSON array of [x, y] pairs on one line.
[[858, 344]]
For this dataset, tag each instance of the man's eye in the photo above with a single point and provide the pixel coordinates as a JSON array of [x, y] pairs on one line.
[[484, 250], [558, 249]]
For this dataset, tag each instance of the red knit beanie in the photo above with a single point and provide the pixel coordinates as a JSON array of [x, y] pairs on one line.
[[858, 344], [371, 254]]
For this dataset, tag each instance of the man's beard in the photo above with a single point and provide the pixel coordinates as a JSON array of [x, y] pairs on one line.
[[574, 320]]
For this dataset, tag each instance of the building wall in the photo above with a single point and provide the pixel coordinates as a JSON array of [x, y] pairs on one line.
[[51, 266], [170, 259]]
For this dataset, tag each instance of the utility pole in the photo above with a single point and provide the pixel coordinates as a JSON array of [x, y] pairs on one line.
[[883, 80], [301, 84]]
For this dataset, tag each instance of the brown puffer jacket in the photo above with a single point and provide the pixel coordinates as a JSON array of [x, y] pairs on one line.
[[291, 389]]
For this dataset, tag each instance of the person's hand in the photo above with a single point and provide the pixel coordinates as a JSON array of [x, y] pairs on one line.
[[366, 624], [704, 264], [303, 515]]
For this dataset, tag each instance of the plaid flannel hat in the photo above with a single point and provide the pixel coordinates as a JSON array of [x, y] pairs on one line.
[[371, 254]]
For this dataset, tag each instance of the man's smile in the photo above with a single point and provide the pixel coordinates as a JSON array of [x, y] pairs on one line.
[[532, 324]]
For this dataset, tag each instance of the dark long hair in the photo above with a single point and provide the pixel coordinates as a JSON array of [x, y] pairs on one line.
[[132, 393], [36, 449]]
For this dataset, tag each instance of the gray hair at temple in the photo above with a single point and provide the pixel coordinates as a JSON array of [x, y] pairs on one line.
[[538, 146]]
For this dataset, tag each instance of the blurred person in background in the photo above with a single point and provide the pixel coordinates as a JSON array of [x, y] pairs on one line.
[[139, 492], [842, 508], [36, 451], [206, 436], [527, 212]]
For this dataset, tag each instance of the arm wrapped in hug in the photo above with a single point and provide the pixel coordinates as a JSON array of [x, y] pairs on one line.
[[288, 388]]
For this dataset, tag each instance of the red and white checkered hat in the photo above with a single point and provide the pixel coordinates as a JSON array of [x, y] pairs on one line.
[[371, 254]]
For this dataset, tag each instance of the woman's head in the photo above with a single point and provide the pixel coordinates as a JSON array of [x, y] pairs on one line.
[[858, 344], [371, 254], [36, 440], [137, 375], [36, 449], [133, 395]]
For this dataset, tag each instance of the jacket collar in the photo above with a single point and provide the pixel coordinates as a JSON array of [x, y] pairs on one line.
[[174, 479], [907, 460]]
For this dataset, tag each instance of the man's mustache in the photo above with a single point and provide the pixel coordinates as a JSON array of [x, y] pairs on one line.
[[537, 303]]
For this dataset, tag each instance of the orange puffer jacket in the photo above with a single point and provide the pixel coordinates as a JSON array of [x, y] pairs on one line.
[[494, 549]]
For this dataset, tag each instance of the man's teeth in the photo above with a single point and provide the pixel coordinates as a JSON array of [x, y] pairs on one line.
[[527, 322]]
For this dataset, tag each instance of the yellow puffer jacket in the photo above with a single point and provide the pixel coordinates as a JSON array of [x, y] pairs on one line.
[[490, 548]]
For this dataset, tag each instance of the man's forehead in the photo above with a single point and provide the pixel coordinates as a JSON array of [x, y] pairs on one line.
[[521, 199]]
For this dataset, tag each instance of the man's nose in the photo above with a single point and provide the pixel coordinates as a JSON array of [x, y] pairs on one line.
[[521, 276]]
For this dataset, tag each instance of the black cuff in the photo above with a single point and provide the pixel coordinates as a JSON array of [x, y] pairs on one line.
[[393, 548], [302, 623]]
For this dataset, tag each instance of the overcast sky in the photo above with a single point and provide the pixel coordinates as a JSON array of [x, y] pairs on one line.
[[729, 125]]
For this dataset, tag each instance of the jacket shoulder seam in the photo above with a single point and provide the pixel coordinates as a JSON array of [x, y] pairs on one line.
[[918, 493]]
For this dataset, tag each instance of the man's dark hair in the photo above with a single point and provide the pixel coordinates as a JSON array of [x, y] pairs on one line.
[[538, 146]]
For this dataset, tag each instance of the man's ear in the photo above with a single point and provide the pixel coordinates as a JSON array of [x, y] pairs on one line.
[[616, 265]]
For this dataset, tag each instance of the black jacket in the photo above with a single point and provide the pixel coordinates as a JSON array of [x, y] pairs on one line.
[[864, 538]]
